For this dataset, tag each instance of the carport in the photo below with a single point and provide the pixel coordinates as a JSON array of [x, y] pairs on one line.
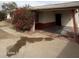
[[58, 9]]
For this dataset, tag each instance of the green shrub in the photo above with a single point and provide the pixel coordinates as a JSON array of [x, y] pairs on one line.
[[2, 16]]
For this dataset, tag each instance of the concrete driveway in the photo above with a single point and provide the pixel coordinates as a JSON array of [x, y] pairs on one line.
[[34, 45]]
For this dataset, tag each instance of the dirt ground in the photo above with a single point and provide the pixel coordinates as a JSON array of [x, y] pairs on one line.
[[39, 44]]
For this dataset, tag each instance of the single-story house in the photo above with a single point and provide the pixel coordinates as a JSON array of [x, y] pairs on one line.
[[63, 14]]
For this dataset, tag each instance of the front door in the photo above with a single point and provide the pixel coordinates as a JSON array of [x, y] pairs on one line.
[[58, 19]]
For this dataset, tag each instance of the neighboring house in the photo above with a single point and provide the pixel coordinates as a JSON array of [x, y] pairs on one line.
[[8, 16], [63, 14]]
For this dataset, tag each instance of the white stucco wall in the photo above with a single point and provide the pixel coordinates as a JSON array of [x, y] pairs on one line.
[[49, 16], [77, 18], [46, 17], [66, 18]]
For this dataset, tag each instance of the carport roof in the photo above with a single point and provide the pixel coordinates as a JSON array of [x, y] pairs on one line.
[[56, 6]]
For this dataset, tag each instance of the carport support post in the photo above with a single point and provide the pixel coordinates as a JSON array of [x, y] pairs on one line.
[[74, 24], [33, 26]]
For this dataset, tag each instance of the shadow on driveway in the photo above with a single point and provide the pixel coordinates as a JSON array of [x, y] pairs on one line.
[[71, 50]]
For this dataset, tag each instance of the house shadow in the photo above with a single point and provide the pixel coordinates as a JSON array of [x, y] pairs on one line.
[[13, 50], [54, 29], [71, 50]]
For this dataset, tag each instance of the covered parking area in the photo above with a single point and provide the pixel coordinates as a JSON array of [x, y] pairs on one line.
[[56, 17]]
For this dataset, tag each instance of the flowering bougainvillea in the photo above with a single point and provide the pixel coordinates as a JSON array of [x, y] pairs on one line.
[[22, 19]]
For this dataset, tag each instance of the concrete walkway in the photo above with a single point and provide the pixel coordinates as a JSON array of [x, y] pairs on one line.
[[16, 44]]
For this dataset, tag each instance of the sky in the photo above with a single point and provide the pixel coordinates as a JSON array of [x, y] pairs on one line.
[[33, 3], [38, 3]]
